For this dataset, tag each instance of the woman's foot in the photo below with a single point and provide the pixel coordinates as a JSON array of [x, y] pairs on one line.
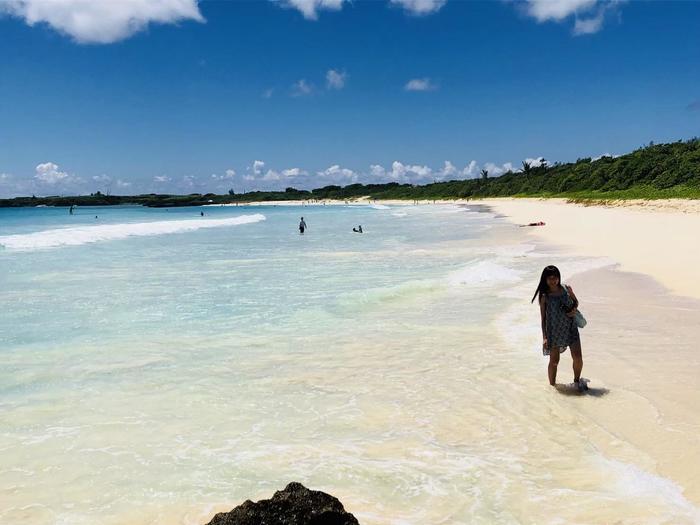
[[580, 384]]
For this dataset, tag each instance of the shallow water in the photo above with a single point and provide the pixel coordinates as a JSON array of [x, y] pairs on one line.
[[158, 366]]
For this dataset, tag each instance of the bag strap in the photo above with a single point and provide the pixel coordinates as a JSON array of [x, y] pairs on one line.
[[567, 289]]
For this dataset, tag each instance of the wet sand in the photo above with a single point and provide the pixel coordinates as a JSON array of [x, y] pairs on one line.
[[641, 347]]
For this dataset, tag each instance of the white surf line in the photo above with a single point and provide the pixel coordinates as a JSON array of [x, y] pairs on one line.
[[75, 236]]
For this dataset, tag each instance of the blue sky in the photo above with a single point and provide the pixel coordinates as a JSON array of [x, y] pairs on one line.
[[184, 96]]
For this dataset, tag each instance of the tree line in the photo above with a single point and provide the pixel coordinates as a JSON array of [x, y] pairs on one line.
[[669, 170]]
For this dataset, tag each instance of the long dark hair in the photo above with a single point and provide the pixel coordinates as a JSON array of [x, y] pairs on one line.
[[542, 288]]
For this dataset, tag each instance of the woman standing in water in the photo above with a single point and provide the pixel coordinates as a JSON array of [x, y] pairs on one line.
[[558, 306]]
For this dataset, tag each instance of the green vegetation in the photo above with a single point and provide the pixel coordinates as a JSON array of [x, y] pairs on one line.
[[653, 172]]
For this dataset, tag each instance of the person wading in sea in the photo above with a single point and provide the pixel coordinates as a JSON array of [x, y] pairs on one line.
[[558, 306], [302, 226]]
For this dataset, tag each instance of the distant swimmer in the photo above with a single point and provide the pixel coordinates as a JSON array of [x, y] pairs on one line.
[[358, 229], [302, 226], [95, 216], [71, 209], [532, 224], [201, 214]]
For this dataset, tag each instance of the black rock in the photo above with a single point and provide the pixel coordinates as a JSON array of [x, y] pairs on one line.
[[295, 505]]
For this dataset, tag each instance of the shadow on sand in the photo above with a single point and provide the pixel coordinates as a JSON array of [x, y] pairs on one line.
[[571, 390]]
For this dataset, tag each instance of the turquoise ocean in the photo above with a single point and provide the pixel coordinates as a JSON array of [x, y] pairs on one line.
[[158, 366]]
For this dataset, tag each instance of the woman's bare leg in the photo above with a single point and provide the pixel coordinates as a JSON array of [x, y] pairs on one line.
[[577, 356], [552, 368]]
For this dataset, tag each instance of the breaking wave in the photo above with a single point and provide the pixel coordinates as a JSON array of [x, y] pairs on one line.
[[75, 236]]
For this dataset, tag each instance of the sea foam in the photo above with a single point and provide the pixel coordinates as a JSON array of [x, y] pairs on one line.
[[630, 481], [484, 273], [75, 236]]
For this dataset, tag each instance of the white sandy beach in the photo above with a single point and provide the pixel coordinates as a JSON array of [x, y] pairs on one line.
[[641, 341], [657, 238]]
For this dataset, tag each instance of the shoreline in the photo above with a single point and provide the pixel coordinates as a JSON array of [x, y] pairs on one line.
[[659, 240], [639, 345], [655, 238], [644, 354], [681, 205]]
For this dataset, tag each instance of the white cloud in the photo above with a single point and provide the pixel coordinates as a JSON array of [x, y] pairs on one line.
[[161, 179], [188, 181], [50, 179], [228, 175], [420, 84], [420, 7], [535, 162], [588, 26], [470, 170], [495, 170], [11, 186], [402, 173], [589, 14], [417, 174], [310, 8], [101, 21], [335, 79], [377, 171], [257, 174], [557, 10], [49, 173], [448, 171], [301, 88], [258, 166], [338, 175], [608, 155], [102, 179], [272, 175], [406, 172], [268, 93], [293, 172]]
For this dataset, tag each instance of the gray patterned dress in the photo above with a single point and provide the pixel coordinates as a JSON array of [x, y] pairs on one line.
[[561, 330]]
